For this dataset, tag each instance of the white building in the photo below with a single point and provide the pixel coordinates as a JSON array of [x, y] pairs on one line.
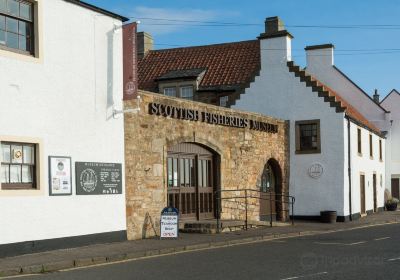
[[392, 103], [60, 81], [336, 154]]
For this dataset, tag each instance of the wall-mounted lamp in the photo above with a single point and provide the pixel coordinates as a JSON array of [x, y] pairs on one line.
[[132, 110]]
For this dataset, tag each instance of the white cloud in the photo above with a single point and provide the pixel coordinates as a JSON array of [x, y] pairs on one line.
[[157, 27]]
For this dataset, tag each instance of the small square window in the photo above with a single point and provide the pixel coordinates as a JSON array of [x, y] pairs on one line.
[[223, 101], [170, 91], [17, 25], [18, 166], [308, 137]]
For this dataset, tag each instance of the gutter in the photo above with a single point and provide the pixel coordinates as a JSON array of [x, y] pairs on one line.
[[349, 165]]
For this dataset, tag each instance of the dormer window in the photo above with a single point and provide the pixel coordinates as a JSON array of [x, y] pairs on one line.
[[187, 92], [170, 91]]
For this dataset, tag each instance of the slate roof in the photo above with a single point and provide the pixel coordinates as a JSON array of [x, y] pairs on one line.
[[227, 65], [98, 10]]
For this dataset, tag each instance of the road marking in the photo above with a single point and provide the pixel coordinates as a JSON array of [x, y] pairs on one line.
[[395, 259], [329, 243], [338, 243], [382, 238], [356, 243], [305, 276]]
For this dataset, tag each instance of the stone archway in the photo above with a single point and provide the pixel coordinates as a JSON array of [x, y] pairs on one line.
[[271, 196]]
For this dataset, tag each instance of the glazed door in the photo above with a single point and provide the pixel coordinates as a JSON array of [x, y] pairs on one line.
[[395, 188], [205, 188], [182, 184], [362, 193], [267, 194]]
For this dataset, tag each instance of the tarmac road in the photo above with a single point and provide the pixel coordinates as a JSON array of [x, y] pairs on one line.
[[368, 253]]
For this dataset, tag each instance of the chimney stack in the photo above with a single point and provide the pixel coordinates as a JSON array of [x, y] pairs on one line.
[[376, 97], [144, 44], [275, 42], [319, 56]]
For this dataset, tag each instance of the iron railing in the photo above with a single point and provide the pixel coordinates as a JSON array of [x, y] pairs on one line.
[[248, 194]]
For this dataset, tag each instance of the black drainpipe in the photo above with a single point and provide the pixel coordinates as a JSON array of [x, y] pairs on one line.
[[349, 162]]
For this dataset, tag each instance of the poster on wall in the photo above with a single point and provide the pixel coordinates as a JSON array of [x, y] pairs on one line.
[[96, 178], [60, 176]]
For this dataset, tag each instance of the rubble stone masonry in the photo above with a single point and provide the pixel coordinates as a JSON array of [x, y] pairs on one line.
[[244, 142]]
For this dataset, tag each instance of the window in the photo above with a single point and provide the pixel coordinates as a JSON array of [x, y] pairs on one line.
[[187, 92], [223, 101], [371, 149], [170, 91], [18, 166], [308, 138], [16, 25], [359, 141], [380, 149]]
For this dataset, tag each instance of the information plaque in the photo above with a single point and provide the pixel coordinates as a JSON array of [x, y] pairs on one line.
[[95, 178]]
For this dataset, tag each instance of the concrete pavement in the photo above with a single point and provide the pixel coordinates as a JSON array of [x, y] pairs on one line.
[[129, 250]]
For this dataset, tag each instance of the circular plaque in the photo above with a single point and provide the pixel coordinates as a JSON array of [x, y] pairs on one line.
[[315, 171]]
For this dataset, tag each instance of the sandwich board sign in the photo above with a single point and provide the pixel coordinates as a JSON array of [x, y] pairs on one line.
[[169, 223]]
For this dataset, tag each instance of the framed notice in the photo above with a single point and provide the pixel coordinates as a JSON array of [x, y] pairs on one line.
[[98, 178], [60, 176]]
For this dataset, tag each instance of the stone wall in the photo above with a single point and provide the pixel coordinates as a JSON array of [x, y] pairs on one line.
[[243, 153]]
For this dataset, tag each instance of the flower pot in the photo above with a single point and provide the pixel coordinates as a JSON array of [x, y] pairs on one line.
[[328, 217], [391, 206]]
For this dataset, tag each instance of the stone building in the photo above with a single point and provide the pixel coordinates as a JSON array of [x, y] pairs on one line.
[[182, 153], [337, 133]]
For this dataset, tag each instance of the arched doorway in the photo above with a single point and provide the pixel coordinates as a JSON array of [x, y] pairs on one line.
[[192, 178], [271, 192]]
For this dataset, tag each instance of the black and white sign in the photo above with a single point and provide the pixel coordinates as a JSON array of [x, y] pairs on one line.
[[60, 176], [316, 170], [169, 223], [95, 178]]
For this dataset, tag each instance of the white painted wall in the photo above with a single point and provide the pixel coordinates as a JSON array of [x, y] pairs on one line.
[[364, 164], [65, 100], [277, 92], [320, 63], [392, 104]]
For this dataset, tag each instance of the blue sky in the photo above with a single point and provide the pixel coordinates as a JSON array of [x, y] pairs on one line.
[[370, 56]]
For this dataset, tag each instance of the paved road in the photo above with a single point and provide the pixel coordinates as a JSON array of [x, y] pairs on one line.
[[370, 253]]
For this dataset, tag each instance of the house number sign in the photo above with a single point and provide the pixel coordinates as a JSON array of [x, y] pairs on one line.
[[316, 170]]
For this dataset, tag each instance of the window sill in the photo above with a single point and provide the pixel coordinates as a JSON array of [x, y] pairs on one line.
[[360, 154], [305, 152], [17, 187], [17, 51]]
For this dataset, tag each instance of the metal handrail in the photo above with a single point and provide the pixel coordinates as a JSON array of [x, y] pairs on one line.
[[218, 196]]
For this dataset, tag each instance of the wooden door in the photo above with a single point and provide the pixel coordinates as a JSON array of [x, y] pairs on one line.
[[362, 193], [190, 181], [267, 194], [395, 187], [375, 194]]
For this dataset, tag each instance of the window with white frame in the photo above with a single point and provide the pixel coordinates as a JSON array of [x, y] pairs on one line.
[[223, 101], [18, 166], [17, 25], [187, 92], [170, 91]]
